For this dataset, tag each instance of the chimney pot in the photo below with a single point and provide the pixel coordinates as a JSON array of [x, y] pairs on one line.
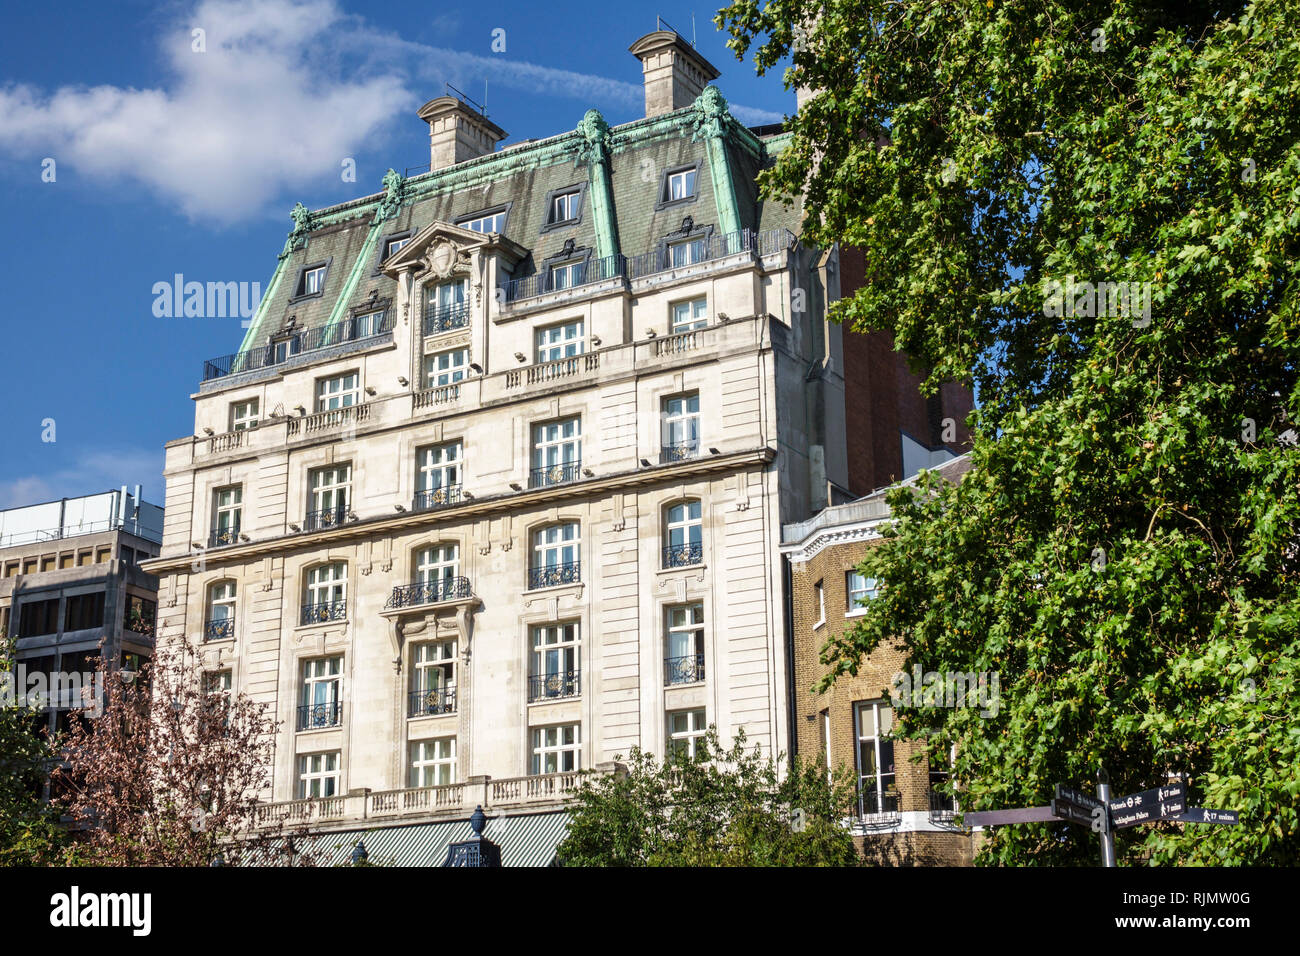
[[674, 72]]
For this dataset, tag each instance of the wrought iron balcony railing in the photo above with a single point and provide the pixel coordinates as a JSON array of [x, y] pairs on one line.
[[550, 575], [678, 451], [943, 807], [445, 318], [555, 474], [219, 629], [439, 497], [429, 592], [874, 803], [435, 700], [357, 328], [684, 670], [220, 537], [683, 555], [316, 716], [325, 518], [556, 685], [324, 611]]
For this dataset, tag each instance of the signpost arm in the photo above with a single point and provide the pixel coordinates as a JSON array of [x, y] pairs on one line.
[[1107, 834]]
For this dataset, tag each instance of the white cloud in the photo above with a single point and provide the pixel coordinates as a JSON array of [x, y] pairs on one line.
[[90, 474], [286, 90]]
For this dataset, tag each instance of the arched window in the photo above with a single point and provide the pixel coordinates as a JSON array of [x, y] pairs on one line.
[[326, 594], [557, 555], [220, 623], [683, 534]]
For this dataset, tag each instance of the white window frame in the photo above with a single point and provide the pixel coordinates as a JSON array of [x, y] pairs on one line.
[[313, 280], [684, 627], [433, 762], [560, 341], [244, 415], [690, 315], [556, 748], [438, 467], [557, 442], [698, 252], [688, 737], [319, 775], [326, 583], [430, 658], [878, 737], [223, 600], [446, 296], [868, 589], [393, 246], [819, 592], [218, 683], [556, 653], [338, 391], [683, 178], [437, 562], [481, 223], [684, 524], [681, 421], [228, 509], [571, 274], [565, 207], [366, 324], [550, 545], [330, 488], [445, 368]]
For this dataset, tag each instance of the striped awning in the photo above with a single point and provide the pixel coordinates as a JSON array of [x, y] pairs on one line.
[[525, 840]]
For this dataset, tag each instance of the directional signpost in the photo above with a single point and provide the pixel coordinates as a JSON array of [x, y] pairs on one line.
[[1105, 814]]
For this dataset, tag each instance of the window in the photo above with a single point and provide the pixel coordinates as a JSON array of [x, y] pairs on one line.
[[318, 775], [340, 391], [684, 533], [394, 245], [819, 593], [556, 668], [684, 651], [329, 491], [437, 570], [565, 207], [322, 703], [312, 280], [445, 307], [557, 749], [227, 509], [685, 731], [437, 475], [445, 368], [141, 614], [679, 184], [243, 415], [877, 790], [566, 275], [561, 341], [220, 624], [367, 324], [486, 221], [557, 452], [281, 349], [942, 805], [690, 315], [556, 556], [433, 762], [860, 589], [433, 679], [686, 252], [217, 683], [681, 427], [326, 597], [86, 611]]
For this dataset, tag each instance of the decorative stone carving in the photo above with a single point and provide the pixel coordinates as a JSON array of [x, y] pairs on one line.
[[394, 188], [595, 139], [710, 113]]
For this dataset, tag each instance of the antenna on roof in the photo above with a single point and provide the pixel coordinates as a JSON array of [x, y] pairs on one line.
[[660, 23], [692, 28], [465, 99]]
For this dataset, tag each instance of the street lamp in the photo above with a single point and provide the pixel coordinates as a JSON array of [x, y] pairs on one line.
[[359, 854]]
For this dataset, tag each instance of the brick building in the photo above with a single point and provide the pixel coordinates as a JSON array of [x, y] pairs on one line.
[[899, 819]]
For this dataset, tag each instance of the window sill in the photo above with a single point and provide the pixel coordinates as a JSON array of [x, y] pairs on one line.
[[682, 567], [858, 613], [308, 627], [319, 730]]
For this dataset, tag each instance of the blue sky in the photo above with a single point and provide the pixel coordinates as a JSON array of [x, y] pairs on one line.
[[167, 160]]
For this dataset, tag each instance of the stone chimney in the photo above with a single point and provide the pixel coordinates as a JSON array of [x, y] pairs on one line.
[[675, 74], [458, 132]]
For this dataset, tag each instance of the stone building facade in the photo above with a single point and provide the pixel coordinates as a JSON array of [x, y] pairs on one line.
[[899, 819]]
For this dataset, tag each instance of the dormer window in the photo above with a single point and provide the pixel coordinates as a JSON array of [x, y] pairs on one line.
[[394, 246], [563, 207], [488, 221], [313, 281], [678, 186]]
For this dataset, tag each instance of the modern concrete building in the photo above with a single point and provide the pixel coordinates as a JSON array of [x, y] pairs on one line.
[[72, 590], [900, 819], [492, 490]]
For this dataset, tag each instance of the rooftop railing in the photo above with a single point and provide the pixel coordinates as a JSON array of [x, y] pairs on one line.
[[283, 348]]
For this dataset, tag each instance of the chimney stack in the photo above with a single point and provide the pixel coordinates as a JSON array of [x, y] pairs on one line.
[[675, 74], [458, 132]]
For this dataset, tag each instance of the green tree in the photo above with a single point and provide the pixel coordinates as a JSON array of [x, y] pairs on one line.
[[716, 808], [1124, 552], [30, 834]]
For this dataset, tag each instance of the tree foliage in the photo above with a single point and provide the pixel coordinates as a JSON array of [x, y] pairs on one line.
[[1124, 551], [718, 808], [29, 830]]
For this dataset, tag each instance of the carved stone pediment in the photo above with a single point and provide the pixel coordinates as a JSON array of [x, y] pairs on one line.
[[442, 249]]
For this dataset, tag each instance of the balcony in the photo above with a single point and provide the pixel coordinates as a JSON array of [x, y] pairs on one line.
[[219, 629], [876, 807], [437, 395], [684, 670], [325, 518], [678, 451], [683, 555], [555, 686], [323, 612], [320, 716], [572, 366], [346, 417], [220, 537], [436, 498], [428, 703], [356, 329], [943, 807], [429, 592], [445, 318], [559, 474], [593, 270], [552, 575]]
